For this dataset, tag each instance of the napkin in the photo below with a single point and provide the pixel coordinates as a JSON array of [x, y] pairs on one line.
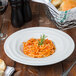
[[9, 71], [39, 1], [64, 19]]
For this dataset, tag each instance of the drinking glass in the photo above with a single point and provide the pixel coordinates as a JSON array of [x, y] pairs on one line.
[[3, 7]]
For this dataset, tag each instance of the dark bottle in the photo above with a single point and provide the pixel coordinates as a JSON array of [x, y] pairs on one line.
[[16, 13], [27, 14]]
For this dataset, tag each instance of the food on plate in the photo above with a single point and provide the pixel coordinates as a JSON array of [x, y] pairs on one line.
[[64, 5], [2, 67], [38, 48]]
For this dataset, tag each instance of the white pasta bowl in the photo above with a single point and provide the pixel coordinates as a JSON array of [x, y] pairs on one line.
[[63, 42]]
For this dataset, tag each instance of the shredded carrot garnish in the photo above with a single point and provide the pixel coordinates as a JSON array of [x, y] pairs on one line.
[[33, 49]]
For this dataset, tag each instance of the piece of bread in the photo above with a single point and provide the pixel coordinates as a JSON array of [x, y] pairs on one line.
[[56, 3], [60, 9], [1, 73], [67, 5], [2, 67]]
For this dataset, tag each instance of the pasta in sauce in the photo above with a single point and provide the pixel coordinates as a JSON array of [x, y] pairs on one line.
[[32, 49]]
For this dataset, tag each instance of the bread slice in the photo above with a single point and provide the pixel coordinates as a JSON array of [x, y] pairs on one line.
[[1, 73], [67, 5], [2, 65], [56, 3]]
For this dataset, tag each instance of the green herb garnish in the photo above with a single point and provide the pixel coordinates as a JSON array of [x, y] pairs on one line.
[[42, 38]]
